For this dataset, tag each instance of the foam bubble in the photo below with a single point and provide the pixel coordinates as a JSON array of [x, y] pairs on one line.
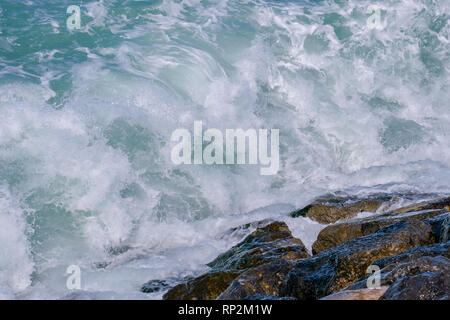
[[16, 264]]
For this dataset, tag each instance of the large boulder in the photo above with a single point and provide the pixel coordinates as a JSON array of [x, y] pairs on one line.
[[444, 228], [155, 286], [330, 209], [440, 225], [419, 274], [442, 203], [336, 268], [271, 245], [266, 244], [336, 234], [263, 280], [206, 287], [433, 283]]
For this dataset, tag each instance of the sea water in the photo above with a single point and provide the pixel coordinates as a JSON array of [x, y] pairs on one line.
[[360, 95]]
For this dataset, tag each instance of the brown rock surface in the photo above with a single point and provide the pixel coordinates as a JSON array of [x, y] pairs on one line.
[[359, 294], [329, 210], [206, 287], [271, 264], [419, 274], [443, 203], [266, 279], [336, 268], [336, 234], [271, 245]]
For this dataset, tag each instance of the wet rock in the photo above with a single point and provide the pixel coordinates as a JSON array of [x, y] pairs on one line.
[[266, 244], [443, 203], [265, 279], [359, 294], [413, 277], [336, 268], [434, 250], [272, 244], [155, 286], [243, 230], [206, 287], [443, 235], [440, 225], [270, 263], [427, 262], [336, 234], [428, 285], [331, 209]]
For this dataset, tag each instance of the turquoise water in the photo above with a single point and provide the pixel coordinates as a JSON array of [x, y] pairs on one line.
[[86, 118]]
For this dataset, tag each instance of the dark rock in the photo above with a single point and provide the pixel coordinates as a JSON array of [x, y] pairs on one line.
[[443, 203], [243, 230], [272, 244], [270, 263], [265, 279], [336, 268], [331, 209], [266, 244], [440, 225], [434, 250], [336, 234], [155, 286], [427, 285], [206, 287], [419, 274], [395, 271], [443, 235]]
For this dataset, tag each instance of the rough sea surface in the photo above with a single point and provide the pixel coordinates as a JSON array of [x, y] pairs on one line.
[[86, 118]]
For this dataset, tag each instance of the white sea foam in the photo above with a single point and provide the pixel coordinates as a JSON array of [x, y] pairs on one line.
[[85, 129], [16, 264]]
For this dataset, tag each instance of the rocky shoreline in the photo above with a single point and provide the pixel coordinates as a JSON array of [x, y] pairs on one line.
[[408, 244]]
